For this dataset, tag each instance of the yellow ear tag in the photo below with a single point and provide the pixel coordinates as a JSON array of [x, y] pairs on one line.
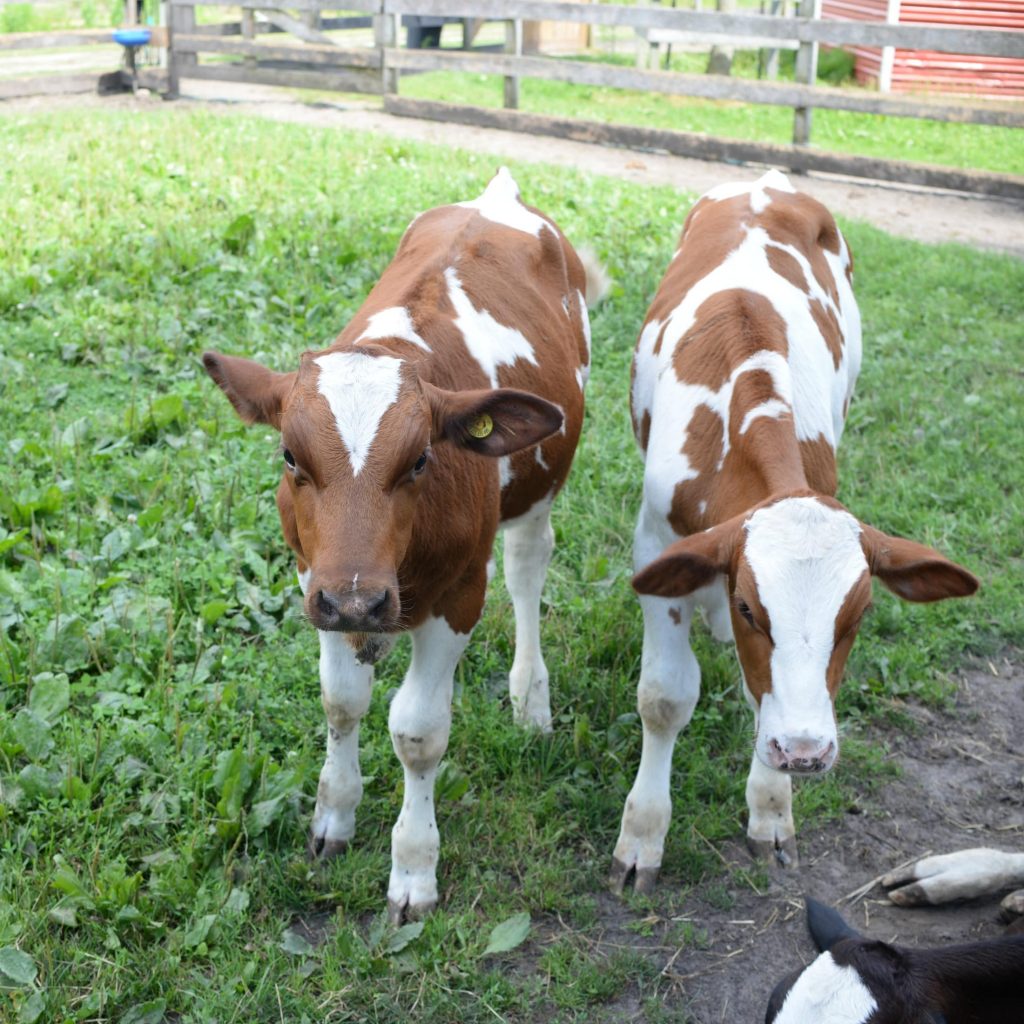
[[482, 426]]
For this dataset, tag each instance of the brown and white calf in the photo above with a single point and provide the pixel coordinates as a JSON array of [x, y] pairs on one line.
[[404, 451], [741, 380]]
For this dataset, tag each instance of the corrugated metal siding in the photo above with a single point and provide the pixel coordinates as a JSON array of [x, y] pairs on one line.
[[924, 70]]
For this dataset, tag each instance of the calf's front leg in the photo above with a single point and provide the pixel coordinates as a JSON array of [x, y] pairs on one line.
[[420, 720], [771, 835], [667, 694], [345, 687]]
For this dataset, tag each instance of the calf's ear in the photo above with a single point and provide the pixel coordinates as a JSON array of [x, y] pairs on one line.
[[691, 563], [914, 571], [256, 392], [491, 422], [826, 925]]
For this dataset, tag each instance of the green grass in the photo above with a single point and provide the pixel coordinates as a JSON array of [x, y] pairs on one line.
[[981, 147], [161, 735]]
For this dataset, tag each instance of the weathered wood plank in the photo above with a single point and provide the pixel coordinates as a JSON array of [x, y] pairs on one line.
[[78, 37], [372, 6], [786, 94], [913, 37], [234, 28], [342, 80], [795, 158], [50, 85], [333, 56], [294, 27]]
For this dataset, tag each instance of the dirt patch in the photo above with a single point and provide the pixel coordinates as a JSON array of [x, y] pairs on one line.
[[926, 215], [962, 785]]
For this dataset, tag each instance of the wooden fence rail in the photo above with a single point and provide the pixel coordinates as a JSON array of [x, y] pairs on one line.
[[314, 59]]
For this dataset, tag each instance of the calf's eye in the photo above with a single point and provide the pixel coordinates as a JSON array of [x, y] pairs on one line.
[[744, 609], [289, 459], [420, 464]]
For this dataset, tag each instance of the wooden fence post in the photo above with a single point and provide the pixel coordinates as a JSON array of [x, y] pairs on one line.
[[249, 32], [513, 45], [181, 20], [387, 29], [806, 71]]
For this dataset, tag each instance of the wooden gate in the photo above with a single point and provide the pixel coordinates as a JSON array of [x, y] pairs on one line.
[[307, 58]]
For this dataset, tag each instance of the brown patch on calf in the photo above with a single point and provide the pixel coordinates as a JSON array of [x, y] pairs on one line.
[[819, 463], [722, 230], [828, 326], [786, 266], [848, 620], [703, 449], [730, 326], [753, 642]]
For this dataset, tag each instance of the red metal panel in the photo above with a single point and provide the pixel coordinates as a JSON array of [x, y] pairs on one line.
[[922, 70]]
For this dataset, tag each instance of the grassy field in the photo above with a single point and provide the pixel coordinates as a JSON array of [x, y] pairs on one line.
[[161, 733]]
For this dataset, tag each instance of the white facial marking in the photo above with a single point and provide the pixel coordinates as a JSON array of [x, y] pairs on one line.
[[394, 322], [355, 582], [580, 379], [827, 993], [359, 389], [757, 190], [304, 578], [500, 203], [805, 557], [491, 344]]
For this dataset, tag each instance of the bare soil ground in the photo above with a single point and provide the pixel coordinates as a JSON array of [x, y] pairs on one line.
[[927, 215], [961, 785]]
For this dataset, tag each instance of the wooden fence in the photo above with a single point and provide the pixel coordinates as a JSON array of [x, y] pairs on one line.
[[246, 51]]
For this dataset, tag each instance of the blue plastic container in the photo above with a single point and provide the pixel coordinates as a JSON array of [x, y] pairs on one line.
[[132, 36]]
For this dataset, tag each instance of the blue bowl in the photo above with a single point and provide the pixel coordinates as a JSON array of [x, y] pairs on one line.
[[132, 36]]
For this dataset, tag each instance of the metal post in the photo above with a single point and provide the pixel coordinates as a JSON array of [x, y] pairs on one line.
[[513, 45], [806, 71]]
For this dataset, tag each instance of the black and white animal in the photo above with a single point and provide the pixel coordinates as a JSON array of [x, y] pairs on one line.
[[857, 980]]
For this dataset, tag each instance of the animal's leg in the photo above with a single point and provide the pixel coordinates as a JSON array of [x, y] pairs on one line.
[[345, 692], [714, 600], [770, 832], [964, 875], [529, 542], [667, 694], [345, 687], [420, 720]]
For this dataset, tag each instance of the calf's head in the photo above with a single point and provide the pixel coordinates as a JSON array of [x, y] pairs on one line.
[[358, 433], [799, 577]]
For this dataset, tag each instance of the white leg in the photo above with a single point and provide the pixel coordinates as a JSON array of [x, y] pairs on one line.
[[770, 832], [667, 694], [345, 687], [714, 601], [420, 719], [529, 542]]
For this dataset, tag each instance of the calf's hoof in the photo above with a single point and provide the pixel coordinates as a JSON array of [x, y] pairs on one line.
[[644, 879], [400, 911], [778, 852], [322, 848]]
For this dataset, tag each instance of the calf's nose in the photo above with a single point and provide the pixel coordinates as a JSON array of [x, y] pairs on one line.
[[801, 754], [361, 611]]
